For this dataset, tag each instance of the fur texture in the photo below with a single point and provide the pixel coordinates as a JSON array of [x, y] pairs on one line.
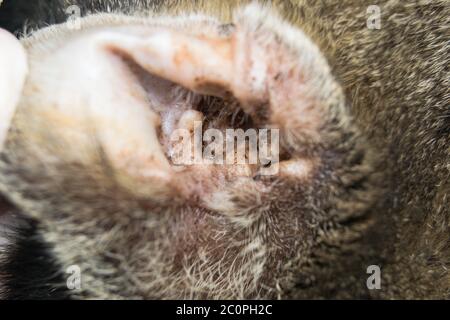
[[378, 193]]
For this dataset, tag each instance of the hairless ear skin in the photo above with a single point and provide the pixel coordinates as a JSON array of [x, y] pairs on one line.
[[13, 69]]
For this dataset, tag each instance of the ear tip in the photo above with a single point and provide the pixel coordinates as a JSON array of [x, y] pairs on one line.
[[13, 70]]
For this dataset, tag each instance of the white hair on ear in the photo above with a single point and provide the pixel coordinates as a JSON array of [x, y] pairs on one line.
[[13, 63]]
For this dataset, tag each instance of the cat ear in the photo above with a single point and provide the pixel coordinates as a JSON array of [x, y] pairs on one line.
[[278, 75], [13, 69]]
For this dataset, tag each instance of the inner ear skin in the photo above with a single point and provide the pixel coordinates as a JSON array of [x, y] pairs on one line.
[[242, 236]]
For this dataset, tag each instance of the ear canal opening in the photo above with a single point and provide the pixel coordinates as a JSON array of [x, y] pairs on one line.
[[171, 101]]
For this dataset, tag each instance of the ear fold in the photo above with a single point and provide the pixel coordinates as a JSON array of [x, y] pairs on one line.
[[13, 69]]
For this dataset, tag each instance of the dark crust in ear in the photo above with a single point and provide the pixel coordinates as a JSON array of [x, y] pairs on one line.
[[28, 269]]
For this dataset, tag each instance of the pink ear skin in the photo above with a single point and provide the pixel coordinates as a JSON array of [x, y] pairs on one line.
[[13, 70], [281, 86], [120, 84]]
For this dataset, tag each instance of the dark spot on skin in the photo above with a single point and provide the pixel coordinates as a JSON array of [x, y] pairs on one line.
[[226, 29]]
